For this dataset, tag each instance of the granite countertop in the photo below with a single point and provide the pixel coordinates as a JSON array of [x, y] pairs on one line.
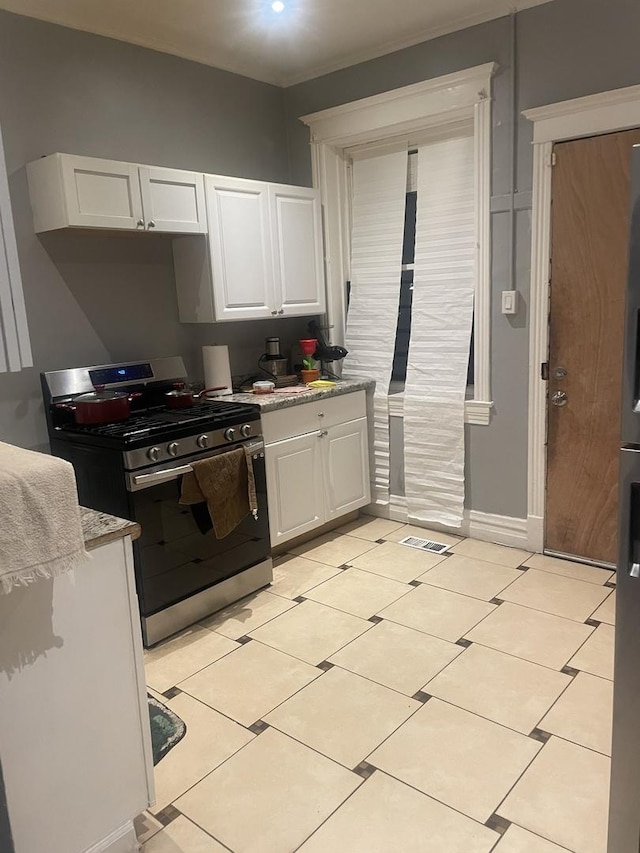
[[99, 528], [281, 400]]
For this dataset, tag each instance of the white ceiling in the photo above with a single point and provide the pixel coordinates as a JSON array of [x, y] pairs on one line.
[[310, 38]]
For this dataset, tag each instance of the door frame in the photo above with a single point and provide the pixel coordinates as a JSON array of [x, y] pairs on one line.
[[606, 112]]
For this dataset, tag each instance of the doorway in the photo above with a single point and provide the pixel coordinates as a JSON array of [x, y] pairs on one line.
[[589, 234]]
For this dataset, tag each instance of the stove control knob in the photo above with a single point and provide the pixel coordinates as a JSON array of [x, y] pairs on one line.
[[173, 448], [153, 453], [245, 430], [202, 441], [230, 434]]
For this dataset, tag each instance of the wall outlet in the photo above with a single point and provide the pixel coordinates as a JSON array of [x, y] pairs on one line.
[[509, 301]]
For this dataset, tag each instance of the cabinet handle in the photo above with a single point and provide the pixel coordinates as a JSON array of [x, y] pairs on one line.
[[281, 311], [322, 433], [151, 223], [274, 312], [320, 414], [140, 223]]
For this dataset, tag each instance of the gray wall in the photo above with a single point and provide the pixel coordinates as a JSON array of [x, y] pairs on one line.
[[563, 49], [93, 298]]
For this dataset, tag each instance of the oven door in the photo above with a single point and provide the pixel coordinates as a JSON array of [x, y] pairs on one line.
[[174, 560]]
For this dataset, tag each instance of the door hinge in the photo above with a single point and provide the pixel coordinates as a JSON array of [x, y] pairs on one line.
[[544, 371], [554, 158]]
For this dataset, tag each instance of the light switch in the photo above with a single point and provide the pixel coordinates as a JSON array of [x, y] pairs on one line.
[[509, 301]]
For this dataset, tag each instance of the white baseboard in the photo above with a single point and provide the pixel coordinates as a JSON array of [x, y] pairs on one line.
[[121, 840], [502, 529]]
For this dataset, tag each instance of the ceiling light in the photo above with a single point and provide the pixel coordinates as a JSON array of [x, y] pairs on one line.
[[277, 6]]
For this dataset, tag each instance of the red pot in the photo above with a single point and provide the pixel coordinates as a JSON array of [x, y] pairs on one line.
[[100, 407], [182, 397]]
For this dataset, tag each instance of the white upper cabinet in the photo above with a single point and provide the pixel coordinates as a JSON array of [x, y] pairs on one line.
[[85, 192], [265, 256], [173, 200], [240, 245], [297, 244]]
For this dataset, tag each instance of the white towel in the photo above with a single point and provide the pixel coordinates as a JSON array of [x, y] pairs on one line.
[[40, 527]]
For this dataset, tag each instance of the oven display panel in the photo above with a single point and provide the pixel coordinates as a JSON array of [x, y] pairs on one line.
[[122, 373]]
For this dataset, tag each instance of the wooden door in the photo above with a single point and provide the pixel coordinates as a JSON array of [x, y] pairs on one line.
[[240, 241], [295, 486], [173, 200], [589, 238], [101, 193], [297, 250]]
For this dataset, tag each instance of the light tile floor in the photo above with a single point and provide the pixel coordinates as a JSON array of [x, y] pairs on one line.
[[380, 699]]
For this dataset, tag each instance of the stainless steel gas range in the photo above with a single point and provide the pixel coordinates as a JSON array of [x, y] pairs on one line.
[[133, 468]]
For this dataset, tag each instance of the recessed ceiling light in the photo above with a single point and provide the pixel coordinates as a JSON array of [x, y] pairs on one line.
[[277, 6]]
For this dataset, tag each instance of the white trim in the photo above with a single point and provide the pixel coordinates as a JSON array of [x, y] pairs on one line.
[[605, 112], [488, 527], [602, 113], [539, 337], [121, 840], [385, 115], [390, 117]]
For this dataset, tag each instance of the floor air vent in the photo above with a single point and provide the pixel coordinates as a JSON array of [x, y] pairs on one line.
[[424, 544]]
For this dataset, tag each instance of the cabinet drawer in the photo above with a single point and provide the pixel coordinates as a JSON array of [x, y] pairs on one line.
[[315, 415]]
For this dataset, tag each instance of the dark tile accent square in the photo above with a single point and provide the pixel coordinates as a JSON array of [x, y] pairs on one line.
[[299, 599], [569, 670], [364, 769], [344, 566], [610, 584], [380, 541], [593, 622], [258, 727], [325, 665], [463, 642], [421, 696], [523, 568], [374, 619], [495, 601], [415, 583], [167, 815], [538, 734], [172, 692], [497, 823], [244, 639]]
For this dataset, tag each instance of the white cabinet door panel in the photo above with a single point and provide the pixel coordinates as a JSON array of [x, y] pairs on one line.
[[295, 486], [298, 261], [346, 466], [240, 248], [101, 193], [173, 200]]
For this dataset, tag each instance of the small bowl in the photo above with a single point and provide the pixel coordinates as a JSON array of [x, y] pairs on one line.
[[265, 387]]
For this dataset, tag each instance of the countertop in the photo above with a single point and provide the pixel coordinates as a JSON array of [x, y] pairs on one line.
[[99, 528], [274, 402]]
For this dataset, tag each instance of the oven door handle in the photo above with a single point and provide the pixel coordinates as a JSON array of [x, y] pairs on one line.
[[141, 480], [253, 449]]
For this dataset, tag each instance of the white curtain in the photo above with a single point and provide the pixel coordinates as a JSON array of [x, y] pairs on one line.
[[378, 204], [442, 318]]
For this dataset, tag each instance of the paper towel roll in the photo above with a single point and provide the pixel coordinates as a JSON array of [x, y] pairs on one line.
[[217, 370]]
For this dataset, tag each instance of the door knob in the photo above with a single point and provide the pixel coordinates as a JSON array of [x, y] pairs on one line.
[[559, 398]]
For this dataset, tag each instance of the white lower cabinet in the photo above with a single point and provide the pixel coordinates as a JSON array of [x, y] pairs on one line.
[[295, 486], [346, 465], [320, 473]]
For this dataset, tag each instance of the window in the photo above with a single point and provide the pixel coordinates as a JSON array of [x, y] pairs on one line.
[[407, 114]]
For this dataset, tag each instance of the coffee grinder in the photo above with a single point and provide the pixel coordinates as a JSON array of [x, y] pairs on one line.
[[276, 365]]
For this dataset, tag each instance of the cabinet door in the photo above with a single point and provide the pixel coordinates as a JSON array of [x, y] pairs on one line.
[[101, 193], [240, 246], [294, 486], [173, 200], [297, 245], [346, 466]]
